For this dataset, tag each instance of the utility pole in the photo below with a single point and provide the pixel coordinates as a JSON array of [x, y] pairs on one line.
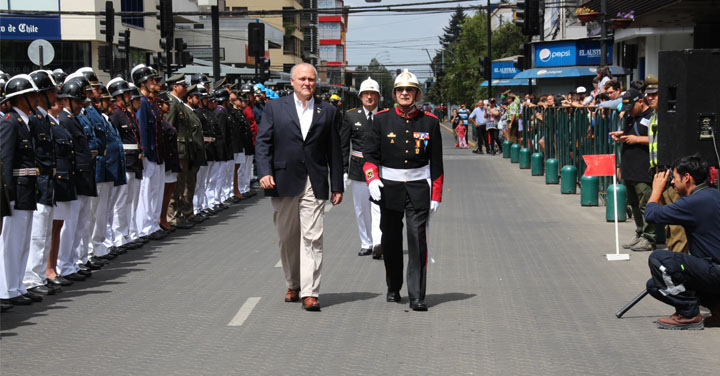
[[215, 42], [603, 32], [489, 49]]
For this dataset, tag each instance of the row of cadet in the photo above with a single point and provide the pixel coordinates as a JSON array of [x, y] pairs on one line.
[[90, 171]]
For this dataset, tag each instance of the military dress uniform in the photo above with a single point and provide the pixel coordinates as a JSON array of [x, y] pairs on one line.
[[124, 226], [150, 202], [404, 151], [20, 173], [224, 187], [200, 200], [355, 128]]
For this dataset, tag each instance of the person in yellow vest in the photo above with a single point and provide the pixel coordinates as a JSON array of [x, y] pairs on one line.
[[675, 238]]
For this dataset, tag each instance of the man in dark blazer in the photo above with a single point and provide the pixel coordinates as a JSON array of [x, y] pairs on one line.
[[297, 145]]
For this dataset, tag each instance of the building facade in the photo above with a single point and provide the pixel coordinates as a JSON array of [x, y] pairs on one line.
[[332, 30]]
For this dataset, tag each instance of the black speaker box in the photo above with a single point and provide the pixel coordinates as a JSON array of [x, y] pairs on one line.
[[688, 105], [256, 39]]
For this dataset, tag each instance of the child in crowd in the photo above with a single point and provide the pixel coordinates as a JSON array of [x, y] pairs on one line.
[[461, 134]]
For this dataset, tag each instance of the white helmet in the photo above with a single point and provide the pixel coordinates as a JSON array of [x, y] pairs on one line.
[[369, 85], [406, 79]]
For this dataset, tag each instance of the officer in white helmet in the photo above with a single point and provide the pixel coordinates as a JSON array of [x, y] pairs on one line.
[[355, 127], [404, 171]]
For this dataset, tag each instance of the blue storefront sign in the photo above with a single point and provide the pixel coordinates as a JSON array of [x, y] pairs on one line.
[[568, 53], [503, 69], [29, 27]]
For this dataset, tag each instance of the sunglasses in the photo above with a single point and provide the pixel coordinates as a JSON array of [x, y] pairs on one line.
[[409, 90]]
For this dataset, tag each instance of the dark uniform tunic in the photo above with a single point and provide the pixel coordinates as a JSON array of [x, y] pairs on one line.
[[208, 132], [64, 186], [169, 146], [84, 176], [18, 156], [124, 122], [405, 152], [225, 127], [355, 127], [40, 128]]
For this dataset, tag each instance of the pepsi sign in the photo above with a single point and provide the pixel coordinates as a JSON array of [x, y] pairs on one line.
[[569, 53]]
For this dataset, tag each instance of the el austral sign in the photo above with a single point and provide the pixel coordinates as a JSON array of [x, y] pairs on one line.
[[569, 53], [29, 27], [503, 69]]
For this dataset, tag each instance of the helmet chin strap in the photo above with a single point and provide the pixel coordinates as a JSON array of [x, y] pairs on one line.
[[47, 99], [30, 106]]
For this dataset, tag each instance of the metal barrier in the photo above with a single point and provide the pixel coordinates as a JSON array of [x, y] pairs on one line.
[[568, 133]]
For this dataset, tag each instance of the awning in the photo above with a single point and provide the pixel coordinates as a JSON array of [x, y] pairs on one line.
[[563, 72], [506, 82]]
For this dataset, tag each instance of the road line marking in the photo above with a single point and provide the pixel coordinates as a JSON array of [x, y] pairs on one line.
[[244, 311], [279, 264]]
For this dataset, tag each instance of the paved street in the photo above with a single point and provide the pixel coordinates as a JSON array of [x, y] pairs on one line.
[[520, 286]]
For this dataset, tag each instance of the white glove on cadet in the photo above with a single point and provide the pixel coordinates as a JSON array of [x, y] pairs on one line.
[[434, 206], [374, 188], [345, 180]]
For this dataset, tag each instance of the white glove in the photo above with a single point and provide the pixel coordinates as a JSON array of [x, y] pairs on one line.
[[434, 206], [374, 188], [345, 180]]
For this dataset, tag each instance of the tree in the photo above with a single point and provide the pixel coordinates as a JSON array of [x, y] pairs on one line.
[[379, 73], [452, 31]]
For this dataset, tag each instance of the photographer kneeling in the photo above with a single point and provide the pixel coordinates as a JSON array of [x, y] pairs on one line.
[[681, 280]]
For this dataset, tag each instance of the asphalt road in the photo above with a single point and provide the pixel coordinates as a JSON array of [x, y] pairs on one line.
[[520, 286]]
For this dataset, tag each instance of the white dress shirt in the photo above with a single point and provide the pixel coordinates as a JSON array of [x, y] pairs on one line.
[[305, 114], [373, 112], [23, 116]]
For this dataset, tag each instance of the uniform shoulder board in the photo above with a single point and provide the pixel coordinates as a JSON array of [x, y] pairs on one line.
[[429, 114], [39, 116], [7, 116], [352, 109], [381, 111]]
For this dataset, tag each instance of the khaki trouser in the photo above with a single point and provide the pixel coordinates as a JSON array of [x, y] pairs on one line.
[[674, 235], [299, 223], [181, 203]]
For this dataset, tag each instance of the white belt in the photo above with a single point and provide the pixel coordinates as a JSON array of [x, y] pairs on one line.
[[130, 147], [26, 172], [356, 153], [408, 174]]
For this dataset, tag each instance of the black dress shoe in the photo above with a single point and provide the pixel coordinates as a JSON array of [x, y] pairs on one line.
[[393, 296], [74, 277], [59, 281], [41, 290], [110, 255], [83, 267], [377, 253], [365, 252], [85, 273], [18, 300], [198, 218], [418, 305], [143, 239], [5, 306], [33, 297], [98, 261], [53, 287], [158, 235], [92, 265], [184, 225]]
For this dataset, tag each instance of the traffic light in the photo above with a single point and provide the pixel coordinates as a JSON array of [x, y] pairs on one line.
[[105, 56], [182, 56], [166, 44], [484, 68], [165, 18], [521, 15], [264, 70], [107, 25], [124, 42], [519, 63], [527, 16]]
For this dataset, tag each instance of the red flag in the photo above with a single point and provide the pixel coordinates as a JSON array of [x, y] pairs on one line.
[[600, 164]]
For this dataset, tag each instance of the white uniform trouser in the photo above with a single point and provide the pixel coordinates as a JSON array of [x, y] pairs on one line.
[[200, 199], [14, 251], [123, 227], [229, 173], [110, 240], [151, 192], [99, 230], [39, 246], [70, 236], [86, 224], [367, 214], [240, 163], [247, 169], [212, 190]]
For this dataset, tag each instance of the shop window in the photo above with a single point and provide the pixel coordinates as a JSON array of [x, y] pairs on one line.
[[133, 6]]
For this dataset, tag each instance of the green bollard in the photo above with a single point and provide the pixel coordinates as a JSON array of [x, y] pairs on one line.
[[551, 171], [506, 148], [536, 164], [524, 158], [589, 186], [568, 179], [515, 153], [622, 203]]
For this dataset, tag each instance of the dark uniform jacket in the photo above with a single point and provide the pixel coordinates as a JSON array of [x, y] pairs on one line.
[[64, 150], [148, 130], [40, 128], [114, 155], [17, 152], [405, 141], [189, 132], [207, 122], [84, 176], [245, 133], [124, 122], [282, 152], [223, 117], [170, 151], [355, 127], [99, 130]]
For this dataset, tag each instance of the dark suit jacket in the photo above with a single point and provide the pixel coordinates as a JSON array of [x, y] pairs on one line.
[[282, 152]]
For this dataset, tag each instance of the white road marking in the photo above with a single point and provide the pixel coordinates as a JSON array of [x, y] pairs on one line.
[[279, 264], [244, 311]]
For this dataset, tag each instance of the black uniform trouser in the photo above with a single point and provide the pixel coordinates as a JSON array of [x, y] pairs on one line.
[[683, 281], [391, 225], [493, 132]]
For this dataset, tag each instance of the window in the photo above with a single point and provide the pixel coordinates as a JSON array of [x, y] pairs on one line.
[[133, 6]]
